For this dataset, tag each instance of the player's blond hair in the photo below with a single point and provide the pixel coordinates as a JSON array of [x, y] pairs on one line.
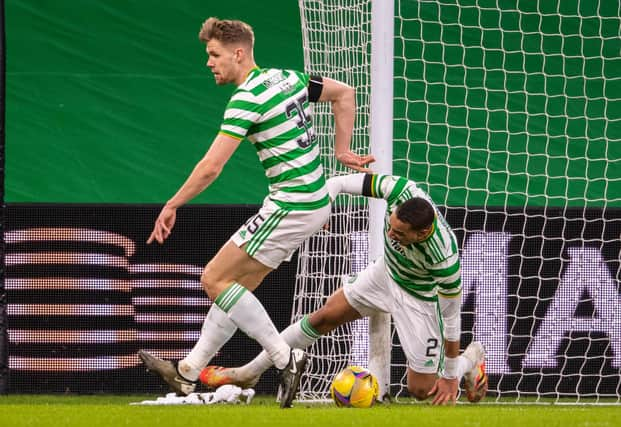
[[226, 31]]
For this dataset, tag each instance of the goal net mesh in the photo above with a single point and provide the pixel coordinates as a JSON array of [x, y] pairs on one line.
[[509, 114]]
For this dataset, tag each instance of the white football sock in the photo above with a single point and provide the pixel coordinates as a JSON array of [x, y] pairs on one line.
[[298, 335], [246, 311], [216, 331], [463, 365]]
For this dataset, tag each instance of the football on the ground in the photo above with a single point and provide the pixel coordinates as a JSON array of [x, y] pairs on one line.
[[354, 387]]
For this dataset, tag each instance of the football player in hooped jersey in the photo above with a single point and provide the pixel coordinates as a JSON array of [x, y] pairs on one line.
[[417, 281], [271, 109]]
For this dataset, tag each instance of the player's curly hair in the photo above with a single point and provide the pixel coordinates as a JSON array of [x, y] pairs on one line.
[[226, 31], [417, 212]]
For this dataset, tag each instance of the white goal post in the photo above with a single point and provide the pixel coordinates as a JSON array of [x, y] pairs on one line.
[[509, 115]]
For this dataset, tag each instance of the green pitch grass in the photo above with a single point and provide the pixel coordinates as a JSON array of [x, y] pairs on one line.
[[102, 410]]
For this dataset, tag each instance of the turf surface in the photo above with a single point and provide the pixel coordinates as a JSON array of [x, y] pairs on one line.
[[106, 410]]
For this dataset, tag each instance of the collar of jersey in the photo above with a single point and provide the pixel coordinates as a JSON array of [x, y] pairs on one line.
[[253, 72]]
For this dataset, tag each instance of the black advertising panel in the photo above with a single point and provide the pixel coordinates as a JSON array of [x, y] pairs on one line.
[[540, 290], [86, 292]]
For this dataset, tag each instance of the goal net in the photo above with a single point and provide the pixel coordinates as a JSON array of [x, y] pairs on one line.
[[336, 39], [509, 115]]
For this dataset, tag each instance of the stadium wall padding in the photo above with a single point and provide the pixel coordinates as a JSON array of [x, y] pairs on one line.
[[4, 338]]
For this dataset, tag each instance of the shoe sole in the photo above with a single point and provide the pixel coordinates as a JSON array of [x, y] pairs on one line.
[[475, 392], [287, 396], [159, 367]]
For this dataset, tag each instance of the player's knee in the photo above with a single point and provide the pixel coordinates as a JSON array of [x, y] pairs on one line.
[[420, 392], [419, 386], [210, 283]]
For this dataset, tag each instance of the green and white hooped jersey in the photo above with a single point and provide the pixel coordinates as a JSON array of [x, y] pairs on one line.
[[271, 109], [423, 269]]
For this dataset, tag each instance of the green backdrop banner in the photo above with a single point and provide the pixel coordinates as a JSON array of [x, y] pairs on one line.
[[111, 102]]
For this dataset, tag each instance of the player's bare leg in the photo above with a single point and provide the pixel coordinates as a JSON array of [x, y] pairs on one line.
[[249, 315], [227, 279], [334, 313], [234, 306]]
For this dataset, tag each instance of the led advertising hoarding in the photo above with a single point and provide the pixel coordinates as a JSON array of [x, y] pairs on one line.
[[540, 290]]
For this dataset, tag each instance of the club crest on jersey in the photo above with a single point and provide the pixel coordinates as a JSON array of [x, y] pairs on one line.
[[274, 80]]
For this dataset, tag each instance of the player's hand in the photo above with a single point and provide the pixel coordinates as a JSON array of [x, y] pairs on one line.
[[163, 225], [445, 391], [354, 161]]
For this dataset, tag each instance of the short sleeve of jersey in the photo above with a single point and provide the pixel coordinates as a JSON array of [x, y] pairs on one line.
[[302, 76], [241, 113], [391, 188]]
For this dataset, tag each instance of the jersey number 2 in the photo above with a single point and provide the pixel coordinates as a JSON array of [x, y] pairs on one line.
[[303, 121], [431, 348]]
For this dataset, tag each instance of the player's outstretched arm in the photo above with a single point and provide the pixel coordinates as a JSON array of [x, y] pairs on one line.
[[350, 184], [446, 387], [370, 185], [205, 172], [343, 100]]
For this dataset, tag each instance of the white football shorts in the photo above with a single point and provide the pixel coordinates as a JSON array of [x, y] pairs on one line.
[[418, 322], [273, 234]]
